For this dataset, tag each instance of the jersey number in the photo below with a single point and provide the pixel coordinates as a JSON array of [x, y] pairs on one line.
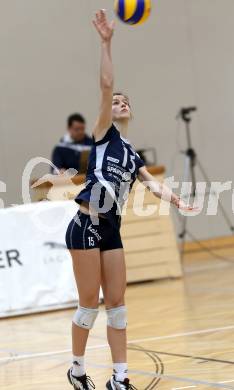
[[91, 241], [125, 160]]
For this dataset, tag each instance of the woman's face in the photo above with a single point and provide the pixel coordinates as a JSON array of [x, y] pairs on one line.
[[120, 107]]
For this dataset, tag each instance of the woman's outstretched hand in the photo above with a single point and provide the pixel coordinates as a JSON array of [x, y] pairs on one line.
[[104, 28], [180, 204]]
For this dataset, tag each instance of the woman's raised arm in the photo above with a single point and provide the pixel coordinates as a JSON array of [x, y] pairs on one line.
[[105, 29]]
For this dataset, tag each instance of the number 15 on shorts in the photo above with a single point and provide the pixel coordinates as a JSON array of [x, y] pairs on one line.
[[91, 241]]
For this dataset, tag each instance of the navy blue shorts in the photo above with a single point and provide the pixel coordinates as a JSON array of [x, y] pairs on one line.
[[83, 234]]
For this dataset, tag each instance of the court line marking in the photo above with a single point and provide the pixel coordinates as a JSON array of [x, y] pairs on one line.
[[202, 358], [196, 332], [190, 387], [227, 381], [106, 345], [180, 388], [139, 372], [170, 377]]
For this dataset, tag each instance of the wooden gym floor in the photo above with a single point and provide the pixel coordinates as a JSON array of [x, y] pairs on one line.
[[181, 330]]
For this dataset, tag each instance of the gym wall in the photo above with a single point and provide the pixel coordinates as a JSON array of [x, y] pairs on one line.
[[49, 68]]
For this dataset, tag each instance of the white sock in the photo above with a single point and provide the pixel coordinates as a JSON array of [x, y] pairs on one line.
[[121, 371], [78, 368]]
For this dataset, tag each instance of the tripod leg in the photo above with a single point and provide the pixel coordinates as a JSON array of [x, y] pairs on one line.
[[182, 236], [193, 176], [186, 177], [225, 215]]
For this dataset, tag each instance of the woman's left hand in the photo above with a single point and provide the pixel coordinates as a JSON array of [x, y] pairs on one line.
[[183, 206]]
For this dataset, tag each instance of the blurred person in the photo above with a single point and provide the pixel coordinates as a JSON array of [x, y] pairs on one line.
[[67, 152]]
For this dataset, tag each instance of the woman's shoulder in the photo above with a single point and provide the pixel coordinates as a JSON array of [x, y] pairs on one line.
[[109, 134]]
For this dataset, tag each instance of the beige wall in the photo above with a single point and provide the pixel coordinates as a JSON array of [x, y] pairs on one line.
[[183, 55]]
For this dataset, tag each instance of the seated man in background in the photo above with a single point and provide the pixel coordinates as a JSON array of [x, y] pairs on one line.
[[67, 153]]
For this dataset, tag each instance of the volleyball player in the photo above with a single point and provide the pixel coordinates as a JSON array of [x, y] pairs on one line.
[[93, 235]]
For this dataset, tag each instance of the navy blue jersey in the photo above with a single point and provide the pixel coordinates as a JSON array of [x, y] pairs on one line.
[[112, 170]]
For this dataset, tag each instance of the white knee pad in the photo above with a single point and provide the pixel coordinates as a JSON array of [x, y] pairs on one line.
[[85, 317], [117, 317]]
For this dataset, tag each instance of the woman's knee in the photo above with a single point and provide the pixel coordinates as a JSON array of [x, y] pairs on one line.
[[85, 317], [89, 299], [114, 301], [117, 317]]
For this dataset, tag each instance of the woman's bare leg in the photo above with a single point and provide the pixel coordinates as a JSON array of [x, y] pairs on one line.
[[113, 281], [87, 271]]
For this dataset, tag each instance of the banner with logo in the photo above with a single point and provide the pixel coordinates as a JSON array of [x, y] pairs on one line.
[[35, 267]]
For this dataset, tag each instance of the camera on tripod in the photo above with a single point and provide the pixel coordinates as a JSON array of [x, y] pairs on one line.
[[184, 113], [190, 163]]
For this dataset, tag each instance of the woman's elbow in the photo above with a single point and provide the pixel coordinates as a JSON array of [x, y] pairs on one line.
[[107, 83]]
